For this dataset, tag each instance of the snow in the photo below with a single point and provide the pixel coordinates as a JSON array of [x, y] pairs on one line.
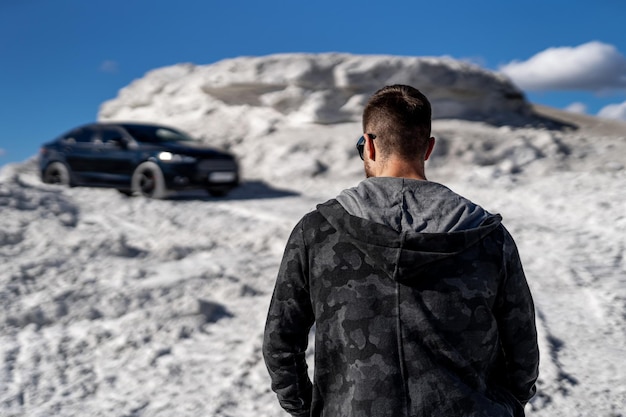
[[117, 306]]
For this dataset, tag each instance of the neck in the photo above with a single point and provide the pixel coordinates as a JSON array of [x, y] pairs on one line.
[[402, 169]]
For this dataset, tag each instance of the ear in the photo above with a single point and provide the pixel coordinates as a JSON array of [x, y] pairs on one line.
[[429, 150], [371, 149]]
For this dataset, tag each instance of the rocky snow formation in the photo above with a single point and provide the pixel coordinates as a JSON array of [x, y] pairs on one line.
[[254, 95]]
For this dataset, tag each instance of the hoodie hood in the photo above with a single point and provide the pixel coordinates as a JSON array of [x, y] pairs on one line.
[[405, 225], [411, 205]]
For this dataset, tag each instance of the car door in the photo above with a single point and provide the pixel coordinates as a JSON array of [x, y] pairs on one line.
[[112, 158], [77, 150]]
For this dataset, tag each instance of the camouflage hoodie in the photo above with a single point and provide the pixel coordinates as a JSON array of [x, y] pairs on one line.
[[420, 306]]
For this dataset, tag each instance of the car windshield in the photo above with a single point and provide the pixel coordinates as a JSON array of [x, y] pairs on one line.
[[157, 134]]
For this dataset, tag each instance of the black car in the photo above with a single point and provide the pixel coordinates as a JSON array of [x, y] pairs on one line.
[[145, 159]]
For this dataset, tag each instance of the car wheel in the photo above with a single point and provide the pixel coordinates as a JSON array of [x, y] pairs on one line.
[[57, 173], [148, 181]]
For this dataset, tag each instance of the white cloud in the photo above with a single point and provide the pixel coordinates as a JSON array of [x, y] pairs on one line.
[[614, 111], [593, 66], [109, 66], [577, 107]]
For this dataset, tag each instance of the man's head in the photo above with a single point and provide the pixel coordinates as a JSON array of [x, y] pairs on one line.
[[399, 116]]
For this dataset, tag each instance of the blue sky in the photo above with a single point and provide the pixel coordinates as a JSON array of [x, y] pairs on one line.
[[60, 59]]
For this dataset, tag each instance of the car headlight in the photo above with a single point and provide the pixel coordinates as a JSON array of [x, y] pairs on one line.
[[173, 157]]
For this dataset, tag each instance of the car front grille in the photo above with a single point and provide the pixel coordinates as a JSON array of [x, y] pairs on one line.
[[211, 165]]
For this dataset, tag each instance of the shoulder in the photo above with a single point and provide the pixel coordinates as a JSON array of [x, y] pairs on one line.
[[315, 226], [322, 213], [311, 219]]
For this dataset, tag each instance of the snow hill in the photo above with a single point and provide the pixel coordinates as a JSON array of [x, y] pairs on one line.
[[117, 306]]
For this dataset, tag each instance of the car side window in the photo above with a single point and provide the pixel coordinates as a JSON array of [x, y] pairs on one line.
[[111, 136], [83, 135]]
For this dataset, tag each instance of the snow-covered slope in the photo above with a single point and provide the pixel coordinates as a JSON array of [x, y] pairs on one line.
[[116, 306]]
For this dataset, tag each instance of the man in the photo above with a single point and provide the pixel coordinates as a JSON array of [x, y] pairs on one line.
[[419, 300]]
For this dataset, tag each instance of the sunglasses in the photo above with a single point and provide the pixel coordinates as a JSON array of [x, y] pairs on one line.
[[360, 144]]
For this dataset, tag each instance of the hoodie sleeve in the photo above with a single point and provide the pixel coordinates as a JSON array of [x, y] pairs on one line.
[[516, 321], [289, 320]]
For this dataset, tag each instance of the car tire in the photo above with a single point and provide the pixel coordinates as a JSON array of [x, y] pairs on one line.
[[148, 181], [57, 173]]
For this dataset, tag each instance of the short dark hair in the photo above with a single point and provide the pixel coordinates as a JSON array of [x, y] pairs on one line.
[[400, 117]]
